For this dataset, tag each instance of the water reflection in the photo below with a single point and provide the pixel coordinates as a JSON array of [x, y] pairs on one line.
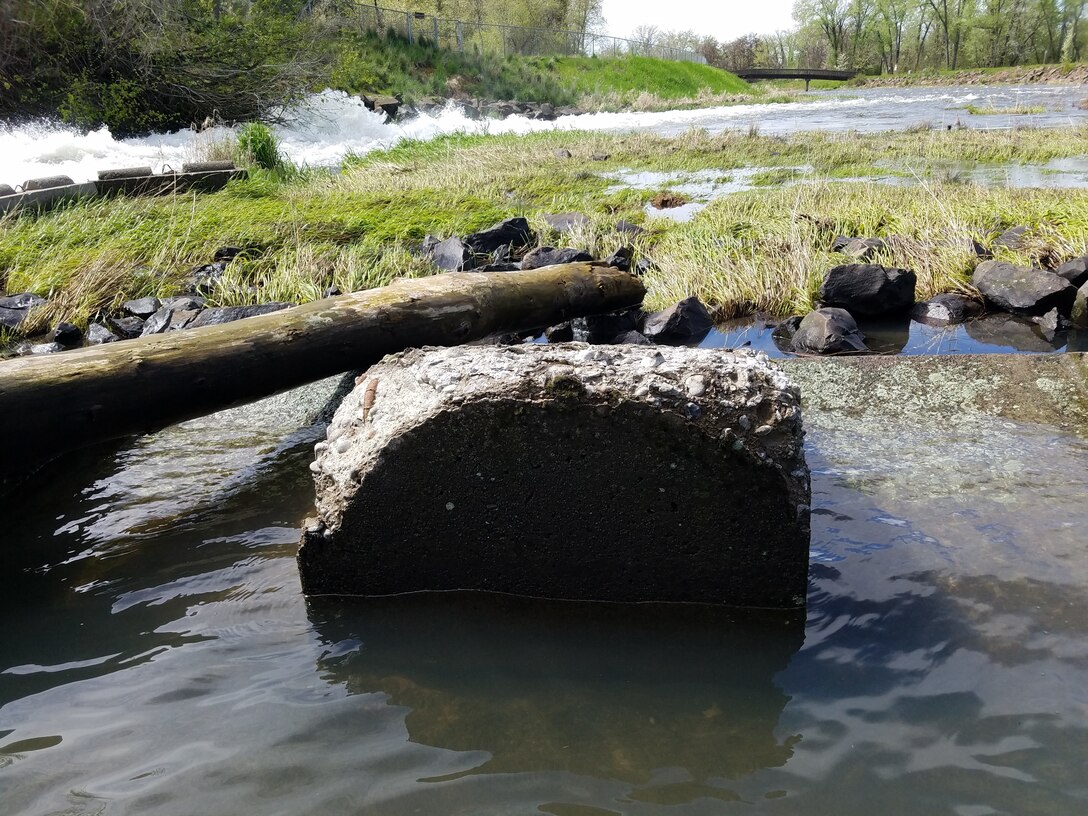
[[596, 690]]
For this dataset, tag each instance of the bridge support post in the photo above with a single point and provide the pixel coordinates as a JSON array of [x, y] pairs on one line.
[[807, 81]]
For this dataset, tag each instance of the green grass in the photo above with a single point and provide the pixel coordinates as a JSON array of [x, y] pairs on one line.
[[765, 249], [626, 75], [366, 63], [1014, 110]]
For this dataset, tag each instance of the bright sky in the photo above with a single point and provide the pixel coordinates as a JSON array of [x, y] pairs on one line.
[[724, 19]]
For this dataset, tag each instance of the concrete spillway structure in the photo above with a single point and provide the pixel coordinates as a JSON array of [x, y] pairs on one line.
[[594, 473]]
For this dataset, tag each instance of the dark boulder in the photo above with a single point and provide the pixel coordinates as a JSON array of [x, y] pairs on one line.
[[14, 309], [67, 335], [828, 331], [605, 327], [22, 301], [6, 190], [168, 319], [841, 242], [632, 338], [228, 314], [1074, 271], [452, 255], [946, 310], [563, 153], [12, 319], [567, 222], [782, 334], [1079, 315], [549, 256], [1012, 238], [621, 259], [685, 322], [511, 232], [204, 279], [1023, 290], [505, 266], [644, 266], [184, 302], [227, 253], [869, 289], [143, 307], [627, 228], [864, 249], [97, 334], [126, 327], [331, 291]]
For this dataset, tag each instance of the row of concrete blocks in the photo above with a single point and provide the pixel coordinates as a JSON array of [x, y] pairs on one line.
[[45, 193]]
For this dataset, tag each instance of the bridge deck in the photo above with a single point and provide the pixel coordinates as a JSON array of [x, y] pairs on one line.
[[807, 74]]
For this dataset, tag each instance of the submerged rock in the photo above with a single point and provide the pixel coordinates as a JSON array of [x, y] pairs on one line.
[[946, 310], [1013, 331], [531, 454], [869, 289], [1022, 289], [828, 331], [686, 322]]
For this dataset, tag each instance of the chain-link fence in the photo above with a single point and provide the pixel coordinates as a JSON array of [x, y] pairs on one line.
[[464, 36]]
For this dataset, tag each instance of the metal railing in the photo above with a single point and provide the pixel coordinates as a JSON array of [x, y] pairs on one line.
[[465, 36]]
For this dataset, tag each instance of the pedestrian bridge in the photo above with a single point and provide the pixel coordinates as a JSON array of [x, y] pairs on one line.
[[807, 74]]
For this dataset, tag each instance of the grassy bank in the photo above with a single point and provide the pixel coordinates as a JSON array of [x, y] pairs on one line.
[[366, 63], [765, 249], [1069, 73]]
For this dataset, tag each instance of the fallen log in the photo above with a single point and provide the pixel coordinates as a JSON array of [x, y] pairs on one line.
[[58, 403]]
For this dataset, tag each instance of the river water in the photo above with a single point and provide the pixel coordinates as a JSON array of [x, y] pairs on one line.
[[158, 657], [333, 124]]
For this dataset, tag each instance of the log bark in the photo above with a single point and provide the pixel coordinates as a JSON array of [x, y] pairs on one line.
[[58, 403]]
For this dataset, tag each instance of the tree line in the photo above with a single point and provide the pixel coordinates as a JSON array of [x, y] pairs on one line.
[[893, 36]]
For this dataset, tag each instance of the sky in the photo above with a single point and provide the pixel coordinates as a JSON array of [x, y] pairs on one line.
[[723, 19]]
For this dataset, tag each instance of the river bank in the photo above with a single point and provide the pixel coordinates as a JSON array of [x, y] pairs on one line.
[[1061, 74], [763, 239]]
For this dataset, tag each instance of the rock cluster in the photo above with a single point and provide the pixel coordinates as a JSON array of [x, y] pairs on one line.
[[629, 473], [137, 318], [1049, 299]]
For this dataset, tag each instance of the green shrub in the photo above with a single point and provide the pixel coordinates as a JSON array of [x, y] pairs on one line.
[[258, 145]]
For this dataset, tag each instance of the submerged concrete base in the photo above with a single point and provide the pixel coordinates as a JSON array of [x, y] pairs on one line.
[[605, 473]]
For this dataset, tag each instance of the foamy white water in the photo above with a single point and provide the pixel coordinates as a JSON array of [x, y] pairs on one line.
[[333, 124]]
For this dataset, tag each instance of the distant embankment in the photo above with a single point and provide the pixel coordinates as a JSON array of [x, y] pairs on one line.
[[1064, 74]]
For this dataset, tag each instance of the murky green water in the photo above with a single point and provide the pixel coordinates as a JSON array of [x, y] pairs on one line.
[[158, 658]]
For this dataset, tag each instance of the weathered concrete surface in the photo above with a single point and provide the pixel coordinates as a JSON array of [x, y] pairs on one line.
[[1049, 389], [594, 473]]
